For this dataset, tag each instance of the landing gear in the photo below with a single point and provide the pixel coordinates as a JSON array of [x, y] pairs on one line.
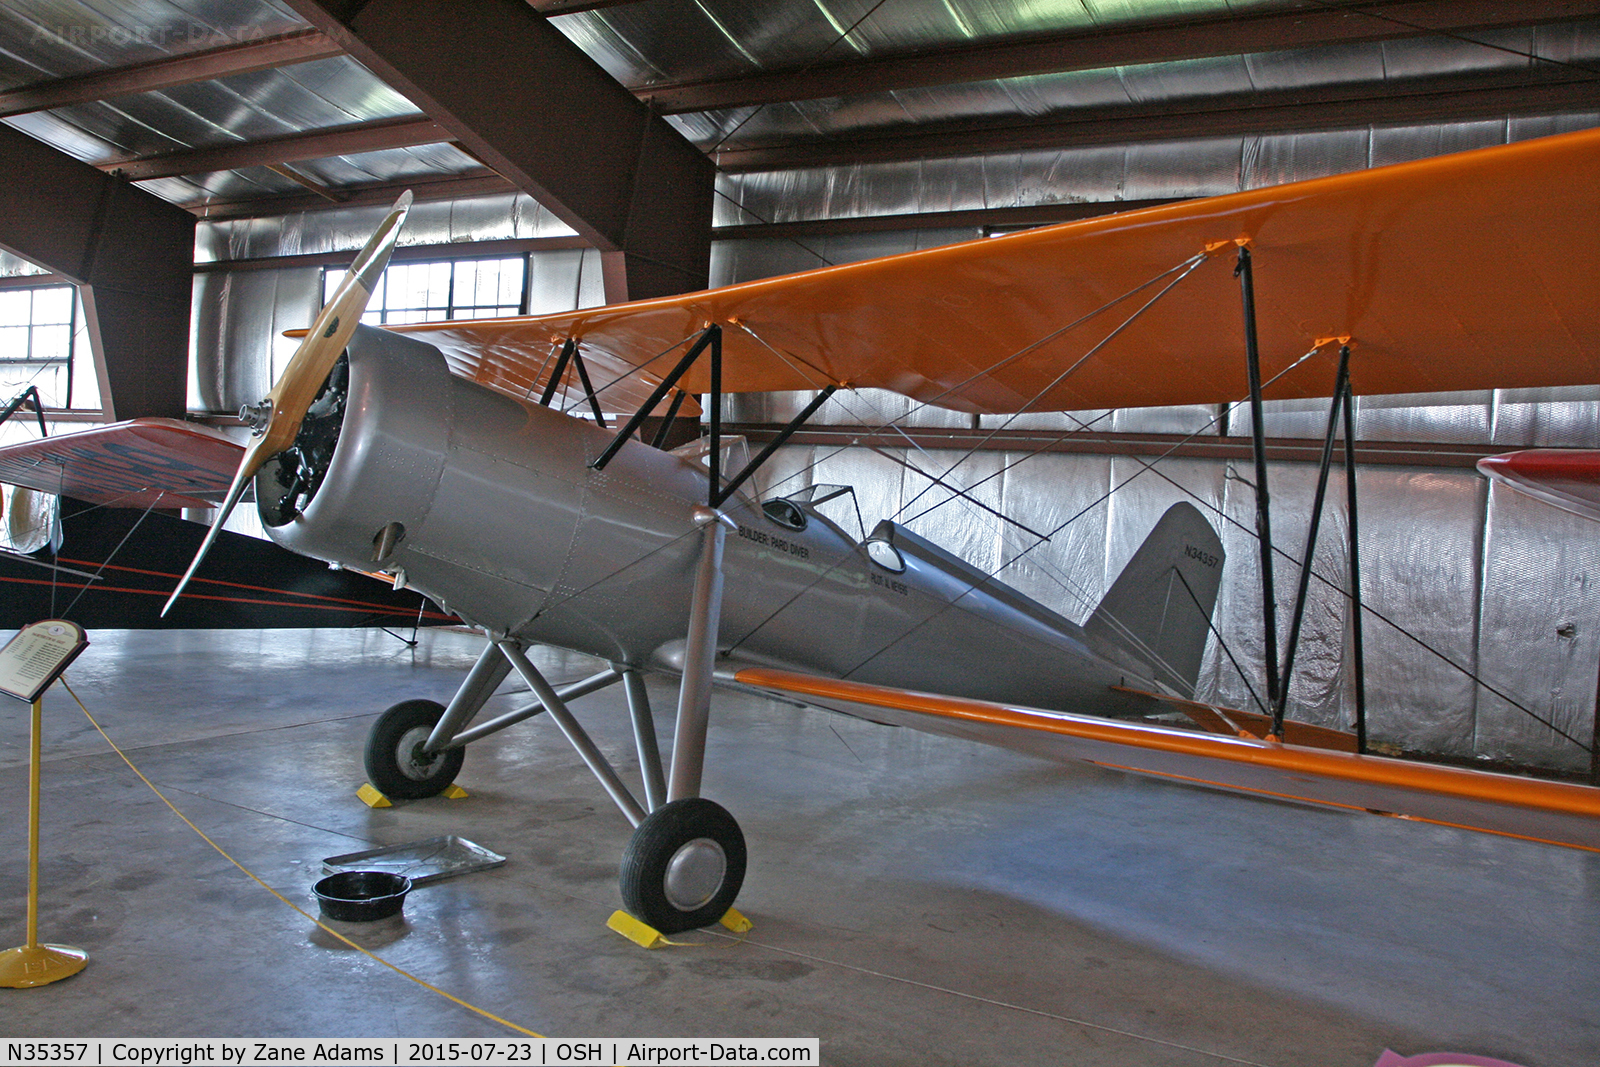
[[396, 764], [684, 865]]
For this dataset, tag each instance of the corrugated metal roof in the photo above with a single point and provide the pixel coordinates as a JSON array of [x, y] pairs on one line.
[[657, 43]]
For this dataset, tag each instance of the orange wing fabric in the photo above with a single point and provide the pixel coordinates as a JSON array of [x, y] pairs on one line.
[[1468, 271], [135, 464], [1550, 812]]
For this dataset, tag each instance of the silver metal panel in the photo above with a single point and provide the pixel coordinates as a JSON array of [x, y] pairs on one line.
[[1540, 633], [951, 521], [1374, 63], [430, 223], [1061, 496], [62, 136], [1186, 419], [643, 43], [62, 37], [564, 281], [789, 470], [390, 165], [1454, 417], [239, 320], [1421, 555], [734, 261], [1285, 158], [1209, 167], [1546, 418]]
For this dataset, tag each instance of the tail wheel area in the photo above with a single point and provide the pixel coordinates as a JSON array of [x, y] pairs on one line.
[[684, 865], [396, 764]]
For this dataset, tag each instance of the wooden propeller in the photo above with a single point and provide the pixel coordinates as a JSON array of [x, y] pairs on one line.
[[285, 406]]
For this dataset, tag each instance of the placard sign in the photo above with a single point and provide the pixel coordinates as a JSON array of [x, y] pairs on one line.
[[37, 656]]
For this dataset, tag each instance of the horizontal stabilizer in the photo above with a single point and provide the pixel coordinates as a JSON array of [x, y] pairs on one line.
[[1232, 722]]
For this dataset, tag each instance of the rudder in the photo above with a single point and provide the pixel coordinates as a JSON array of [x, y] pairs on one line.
[[1157, 614]]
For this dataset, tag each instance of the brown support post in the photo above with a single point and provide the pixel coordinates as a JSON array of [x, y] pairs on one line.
[[521, 97], [131, 256]]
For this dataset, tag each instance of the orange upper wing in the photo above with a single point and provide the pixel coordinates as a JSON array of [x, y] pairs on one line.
[[1468, 271]]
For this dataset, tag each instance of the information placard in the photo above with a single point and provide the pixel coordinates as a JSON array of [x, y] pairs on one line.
[[37, 656]]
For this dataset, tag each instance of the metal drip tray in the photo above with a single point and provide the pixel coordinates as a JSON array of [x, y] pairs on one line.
[[423, 862]]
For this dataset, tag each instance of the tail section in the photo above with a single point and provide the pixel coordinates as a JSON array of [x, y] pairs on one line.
[[1157, 614]]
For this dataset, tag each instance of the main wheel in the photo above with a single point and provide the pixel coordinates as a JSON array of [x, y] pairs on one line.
[[683, 866], [396, 764]]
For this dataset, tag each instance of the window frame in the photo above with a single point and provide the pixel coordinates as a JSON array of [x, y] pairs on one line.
[[451, 309], [71, 325]]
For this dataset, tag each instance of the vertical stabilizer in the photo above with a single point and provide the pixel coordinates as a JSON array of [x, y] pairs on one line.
[[1156, 616]]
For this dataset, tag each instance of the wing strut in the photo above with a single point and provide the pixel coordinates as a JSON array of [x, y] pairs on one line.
[[1297, 616], [567, 350], [31, 393], [1341, 401], [1258, 445], [1358, 660], [711, 336]]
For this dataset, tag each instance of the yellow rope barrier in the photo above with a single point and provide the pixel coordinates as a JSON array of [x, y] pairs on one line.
[[251, 875]]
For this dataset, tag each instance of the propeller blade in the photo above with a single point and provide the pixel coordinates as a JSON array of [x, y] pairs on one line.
[[286, 404]]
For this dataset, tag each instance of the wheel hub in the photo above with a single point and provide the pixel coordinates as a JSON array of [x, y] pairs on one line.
[[412, 760], [695, 873]]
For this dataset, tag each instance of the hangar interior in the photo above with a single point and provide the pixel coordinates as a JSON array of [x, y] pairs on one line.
[[188, 179]]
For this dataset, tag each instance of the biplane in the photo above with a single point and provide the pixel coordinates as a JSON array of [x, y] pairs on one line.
[[474, 461]]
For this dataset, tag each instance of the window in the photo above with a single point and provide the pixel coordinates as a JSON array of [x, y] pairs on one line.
[[435, 292], [785, 513], [37, 327]]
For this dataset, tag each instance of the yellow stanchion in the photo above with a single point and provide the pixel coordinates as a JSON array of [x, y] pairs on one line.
[[34, 964]]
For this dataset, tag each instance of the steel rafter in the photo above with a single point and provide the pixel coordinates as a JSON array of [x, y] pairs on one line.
[[316, 144], [208, 65], [477, 182], [1299, 27], [1410, 102]]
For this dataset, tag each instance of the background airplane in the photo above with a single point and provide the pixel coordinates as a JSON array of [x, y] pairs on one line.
[[438, 453], [89, 531]]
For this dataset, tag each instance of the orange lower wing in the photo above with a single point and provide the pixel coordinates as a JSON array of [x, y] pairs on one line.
[[1550, 812]]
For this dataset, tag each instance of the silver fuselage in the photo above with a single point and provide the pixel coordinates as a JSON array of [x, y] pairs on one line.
[[505, 523]]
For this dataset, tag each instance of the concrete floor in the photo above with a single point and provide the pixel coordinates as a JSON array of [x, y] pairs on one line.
[[917, 900]]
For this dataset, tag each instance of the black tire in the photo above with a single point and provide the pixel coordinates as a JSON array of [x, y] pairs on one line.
[[395, 764], [698, 828]]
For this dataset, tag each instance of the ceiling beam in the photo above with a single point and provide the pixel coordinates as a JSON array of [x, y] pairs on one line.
[[479, 181], [515, 246], [552, 8], [1413, 102], [1300, 27], [532, 106], [482, 182], [318, 144], [186, 69], [999, 218]]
